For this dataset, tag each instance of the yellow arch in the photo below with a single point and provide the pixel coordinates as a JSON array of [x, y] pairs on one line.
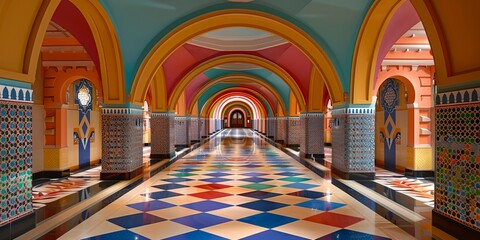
[[235, 58], [213, 101], [108, 47], [235, 18], [23, 29], [235, 78], [366, 49]]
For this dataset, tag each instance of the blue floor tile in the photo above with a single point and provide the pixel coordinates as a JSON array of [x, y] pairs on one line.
[[255, 179], [218, 174], [320, 205], [124, 234], [308, 194], [267, 220], [201, 220], [289, 174], [177, 180], [205, 206], [216, 179], [200, 235], [300, 185], [272, 234], [169, 186], [136, 220], [263, 205], [260, 194], [349, 234], [187, 170], [161, 195], [150, 206], [254, 174]]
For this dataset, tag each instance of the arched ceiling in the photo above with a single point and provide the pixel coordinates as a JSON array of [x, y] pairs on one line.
[[141, 24]]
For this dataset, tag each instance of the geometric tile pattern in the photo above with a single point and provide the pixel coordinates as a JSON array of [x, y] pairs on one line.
[[16, 160], [193, 130], [281, 129], [163, 133], [261, 196], [181, 130], [122, 143], [311, 140], [457, 170], [353, 141], [294, 130]]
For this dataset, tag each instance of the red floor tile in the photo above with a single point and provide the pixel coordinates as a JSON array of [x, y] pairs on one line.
[[210, 195], [334, 219]]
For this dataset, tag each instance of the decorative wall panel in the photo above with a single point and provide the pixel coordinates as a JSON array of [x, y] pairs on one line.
[[16, 160], [181, 131], [457, 154], [163, 133], [311, 141], [353, 140], [294, 130], [122, 144]]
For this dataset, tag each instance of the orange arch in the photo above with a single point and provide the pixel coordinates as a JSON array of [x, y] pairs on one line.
[[235, 78], [234, 18]]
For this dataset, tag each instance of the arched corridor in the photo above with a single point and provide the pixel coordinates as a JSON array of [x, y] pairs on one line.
[[376, 99]]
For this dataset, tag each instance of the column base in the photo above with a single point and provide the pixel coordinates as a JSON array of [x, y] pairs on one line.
[[192, 142], [52, 174], [353, 176], [453, 227], [280, 141], [18, 227], [413, 173], [121, 176], [319, 157], [162, 156]]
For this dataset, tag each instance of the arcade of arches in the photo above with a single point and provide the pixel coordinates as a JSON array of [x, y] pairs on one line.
[[360, 87]]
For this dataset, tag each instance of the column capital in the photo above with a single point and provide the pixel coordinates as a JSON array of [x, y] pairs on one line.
[[122, 111]]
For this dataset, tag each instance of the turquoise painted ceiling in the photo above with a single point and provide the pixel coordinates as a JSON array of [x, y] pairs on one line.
[[333, 24]]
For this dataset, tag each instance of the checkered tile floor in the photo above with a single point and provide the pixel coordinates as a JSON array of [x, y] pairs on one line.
[[235, 187]]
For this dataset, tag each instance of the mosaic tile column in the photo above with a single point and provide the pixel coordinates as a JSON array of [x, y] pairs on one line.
[[181, 132], [16, 161], [311, 138], [194, 130], [457, 163], [294, 132], [271, 127], [163, 135], [353, 143], [281, 136], [203, 128], [122, 143]]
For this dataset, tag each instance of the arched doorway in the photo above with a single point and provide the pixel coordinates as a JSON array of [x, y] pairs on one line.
[[237, 119]]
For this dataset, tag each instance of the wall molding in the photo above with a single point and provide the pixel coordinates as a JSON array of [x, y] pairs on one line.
[[122, 111], [17, 94]]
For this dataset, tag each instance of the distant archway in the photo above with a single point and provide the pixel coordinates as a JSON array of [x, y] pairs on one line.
[[237, 119]]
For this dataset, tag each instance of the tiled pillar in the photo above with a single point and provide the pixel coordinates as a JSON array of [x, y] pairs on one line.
[[194, 130], [311, 137], [281, 134], [122, 143], [203, 127], [163, 135], [181, 132], [457, 163], [271, 127], [16, 213], [353, 143], [294, 131]]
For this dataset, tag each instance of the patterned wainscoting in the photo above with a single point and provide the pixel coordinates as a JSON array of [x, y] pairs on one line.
[[311, 141], [16, 160], [457, 154], [163, 134], [353, 142], [294, 130], [122, 144]]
